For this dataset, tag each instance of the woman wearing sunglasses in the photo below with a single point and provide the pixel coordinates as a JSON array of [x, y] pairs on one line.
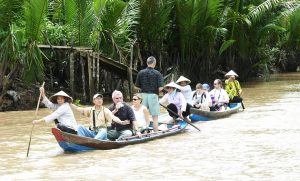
[[141, 112]]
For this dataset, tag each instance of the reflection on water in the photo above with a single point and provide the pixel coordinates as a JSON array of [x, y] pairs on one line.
[[260, 143]]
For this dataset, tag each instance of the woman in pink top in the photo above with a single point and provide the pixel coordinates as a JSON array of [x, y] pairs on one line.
[[176, 100]]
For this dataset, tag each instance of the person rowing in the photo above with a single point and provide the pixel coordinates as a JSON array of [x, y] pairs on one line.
[[233, 87], [63, 115], [177, 102]]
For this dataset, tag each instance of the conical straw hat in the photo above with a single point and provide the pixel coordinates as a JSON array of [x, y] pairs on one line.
[[183, 79], [61, 93], [230, 73], [174, 85]]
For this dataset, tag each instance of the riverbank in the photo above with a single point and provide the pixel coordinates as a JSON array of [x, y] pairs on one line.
[[24, 97]]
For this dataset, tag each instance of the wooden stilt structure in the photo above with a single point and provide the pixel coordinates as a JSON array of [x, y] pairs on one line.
[[92, 72]]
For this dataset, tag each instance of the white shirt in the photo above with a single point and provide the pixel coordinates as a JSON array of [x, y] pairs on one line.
[[187, 93], [205, 99], [220, 95], [63, 113], [176, 98], [140, 116]]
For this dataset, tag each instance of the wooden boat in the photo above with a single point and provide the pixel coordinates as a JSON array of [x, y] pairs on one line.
[[75, 143], [200, 115]]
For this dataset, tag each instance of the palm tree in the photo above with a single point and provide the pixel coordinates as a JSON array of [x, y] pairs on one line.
[[9, 47], [34, 18], [114, 31], [199, 33]]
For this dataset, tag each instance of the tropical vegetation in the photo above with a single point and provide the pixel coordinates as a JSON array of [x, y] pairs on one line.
[[197, 38]]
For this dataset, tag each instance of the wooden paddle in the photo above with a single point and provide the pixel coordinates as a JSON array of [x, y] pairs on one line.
[[180, 117], [36, 111], [242, 105], [239, 95]]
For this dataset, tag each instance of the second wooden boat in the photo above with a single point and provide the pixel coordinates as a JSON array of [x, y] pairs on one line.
[[200, 115]]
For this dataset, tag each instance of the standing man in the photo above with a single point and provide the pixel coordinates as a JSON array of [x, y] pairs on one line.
[[150, 81]]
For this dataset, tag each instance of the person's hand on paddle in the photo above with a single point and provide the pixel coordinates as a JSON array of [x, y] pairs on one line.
[[37, 121], [42, 91], [180, 114], [139, 134]]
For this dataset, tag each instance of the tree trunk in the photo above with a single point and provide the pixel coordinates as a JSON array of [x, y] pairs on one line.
[[72, 73], [83, 77], [90, 73], [98, 72]]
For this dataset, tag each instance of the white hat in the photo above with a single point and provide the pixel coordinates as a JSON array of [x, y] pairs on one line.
[[174, 85], [183, 79], [230, 73], [61, 93], [97, 95]]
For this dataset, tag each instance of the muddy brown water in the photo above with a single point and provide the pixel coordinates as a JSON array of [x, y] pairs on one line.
[[260, 143]]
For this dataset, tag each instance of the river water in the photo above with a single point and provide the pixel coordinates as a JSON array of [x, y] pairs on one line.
[[260, 143]]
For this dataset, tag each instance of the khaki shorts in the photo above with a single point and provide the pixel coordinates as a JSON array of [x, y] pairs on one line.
[[151, 102]]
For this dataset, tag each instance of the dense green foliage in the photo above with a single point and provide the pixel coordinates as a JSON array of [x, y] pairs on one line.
[[198, 38]]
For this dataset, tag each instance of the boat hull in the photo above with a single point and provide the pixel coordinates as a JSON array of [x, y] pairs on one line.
[[199, 115], [74, 143]]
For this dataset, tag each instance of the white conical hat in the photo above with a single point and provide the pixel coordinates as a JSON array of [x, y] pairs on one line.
[[183, 79], [61, 93], [230, 73], [174, 85]]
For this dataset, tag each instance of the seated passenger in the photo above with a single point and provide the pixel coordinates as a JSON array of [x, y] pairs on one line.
[[201, 99], [100, 118], [206, 87], [176, 100], [141, 112], [219, 96], [125, 113], [233, 87], [186, 89], [63, 115]]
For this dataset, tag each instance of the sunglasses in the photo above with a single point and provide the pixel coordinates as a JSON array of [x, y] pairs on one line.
[[135, 99]]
